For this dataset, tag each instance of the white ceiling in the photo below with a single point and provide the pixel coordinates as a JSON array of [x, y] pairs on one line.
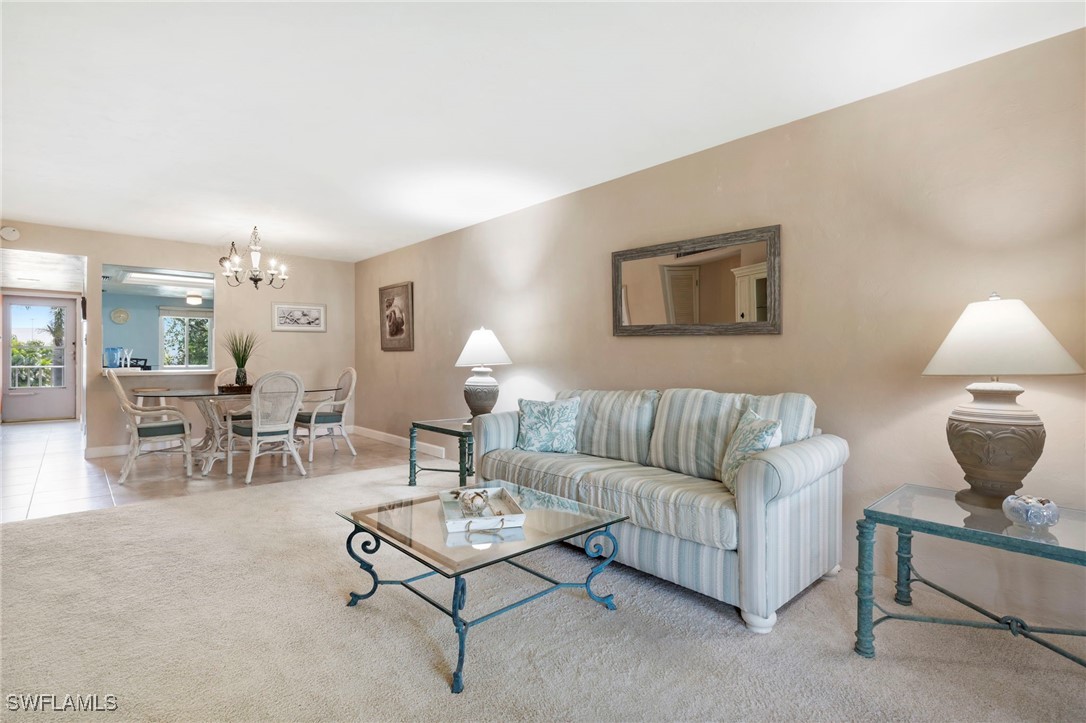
[[346, 130]]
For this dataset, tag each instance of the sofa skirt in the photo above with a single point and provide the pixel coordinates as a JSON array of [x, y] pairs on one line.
[[708, 570]]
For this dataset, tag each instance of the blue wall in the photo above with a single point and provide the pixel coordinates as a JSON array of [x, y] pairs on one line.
[[141, 332]]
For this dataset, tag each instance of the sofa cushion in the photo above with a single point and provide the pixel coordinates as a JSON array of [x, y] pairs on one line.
[[615, 424], [546, 471], [548, 426], [753, 435], [796, 412], [690, 508], [693, 426]]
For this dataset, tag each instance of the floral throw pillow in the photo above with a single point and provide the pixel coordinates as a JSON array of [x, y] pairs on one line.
[[753, 435], [548, 426]]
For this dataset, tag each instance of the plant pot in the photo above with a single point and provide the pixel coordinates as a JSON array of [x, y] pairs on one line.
[[240, 377], [235, 388]]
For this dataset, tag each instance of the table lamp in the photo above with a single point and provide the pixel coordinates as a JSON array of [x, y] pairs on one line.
[[482, 351], [996, 440]]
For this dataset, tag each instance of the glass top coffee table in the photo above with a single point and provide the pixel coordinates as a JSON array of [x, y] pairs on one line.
[[932, 511], [415, 527]]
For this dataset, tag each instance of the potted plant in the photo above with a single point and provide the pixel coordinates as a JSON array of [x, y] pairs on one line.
[[241, 347]]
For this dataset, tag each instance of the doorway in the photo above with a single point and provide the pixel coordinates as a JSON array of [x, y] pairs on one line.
[[39, 362], [681, 290]]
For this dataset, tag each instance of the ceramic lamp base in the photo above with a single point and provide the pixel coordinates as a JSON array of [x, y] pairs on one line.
[[481, 391], [995, 440]]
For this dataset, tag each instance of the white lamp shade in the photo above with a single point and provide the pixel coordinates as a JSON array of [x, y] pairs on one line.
[[1000, 337], [482, 350]]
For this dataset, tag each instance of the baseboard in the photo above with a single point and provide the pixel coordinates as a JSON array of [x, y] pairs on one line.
[[117, 450], [431, 449], [404, 442]]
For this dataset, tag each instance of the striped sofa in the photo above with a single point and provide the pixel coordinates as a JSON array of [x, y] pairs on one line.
[[656, 456]]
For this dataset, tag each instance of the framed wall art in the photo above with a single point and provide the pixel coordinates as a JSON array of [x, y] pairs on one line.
[[397, 317], [299, 317]]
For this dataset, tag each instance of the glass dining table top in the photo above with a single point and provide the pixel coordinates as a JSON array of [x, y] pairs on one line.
[[416, 527], [939, 508], [206, 393]]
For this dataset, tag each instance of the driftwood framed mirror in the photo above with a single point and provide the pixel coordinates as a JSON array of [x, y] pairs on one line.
[[729, 283]]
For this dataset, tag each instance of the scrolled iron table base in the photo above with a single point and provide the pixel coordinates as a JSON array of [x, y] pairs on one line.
[[594, 548]]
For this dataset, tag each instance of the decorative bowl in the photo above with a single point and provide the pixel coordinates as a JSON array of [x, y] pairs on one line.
[[1035, 513]]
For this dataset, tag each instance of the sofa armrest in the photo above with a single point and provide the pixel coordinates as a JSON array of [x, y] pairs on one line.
[[495, 431], [788, 505], [785, 470]]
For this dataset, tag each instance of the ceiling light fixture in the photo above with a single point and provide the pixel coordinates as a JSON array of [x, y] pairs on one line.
[[193, 298], [274, 276], [153, 278]]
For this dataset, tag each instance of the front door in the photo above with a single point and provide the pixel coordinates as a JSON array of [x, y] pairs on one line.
[[39, 358]]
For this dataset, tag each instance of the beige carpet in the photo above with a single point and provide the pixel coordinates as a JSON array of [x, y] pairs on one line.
[[231, 606]]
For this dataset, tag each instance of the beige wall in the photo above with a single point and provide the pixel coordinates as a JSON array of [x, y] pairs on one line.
[[896, 212], [317, 357]]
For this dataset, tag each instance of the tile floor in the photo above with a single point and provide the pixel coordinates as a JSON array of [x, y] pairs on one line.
[[43, 473]]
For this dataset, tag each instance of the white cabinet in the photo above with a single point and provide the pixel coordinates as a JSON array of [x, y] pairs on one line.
[[751, 302]]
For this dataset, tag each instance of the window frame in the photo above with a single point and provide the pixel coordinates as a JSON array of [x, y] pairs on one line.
[[188, 314]]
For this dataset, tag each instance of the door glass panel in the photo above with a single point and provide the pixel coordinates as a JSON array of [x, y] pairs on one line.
[[37, 346]]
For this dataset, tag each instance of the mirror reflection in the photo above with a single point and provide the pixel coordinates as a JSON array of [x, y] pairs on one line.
[[156, 318], [723, 284]]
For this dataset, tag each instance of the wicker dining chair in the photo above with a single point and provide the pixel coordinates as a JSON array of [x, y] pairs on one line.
[[168, 423], [273, 406], [328, 415]]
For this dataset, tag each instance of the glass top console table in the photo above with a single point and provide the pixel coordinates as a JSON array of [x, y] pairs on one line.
[[912, 508], [459, 428]]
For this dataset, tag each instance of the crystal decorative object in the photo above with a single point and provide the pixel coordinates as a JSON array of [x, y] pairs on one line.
[[1030, 511]]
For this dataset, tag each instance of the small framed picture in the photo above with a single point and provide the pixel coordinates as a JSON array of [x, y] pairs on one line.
[[397, 317], [299, 317]]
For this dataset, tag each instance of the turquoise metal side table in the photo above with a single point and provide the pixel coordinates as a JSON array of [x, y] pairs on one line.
[[912, 508], [453, 428]]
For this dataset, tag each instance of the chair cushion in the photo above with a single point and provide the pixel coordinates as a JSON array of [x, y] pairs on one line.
[[548, 426], [690, 508], [243, 417], [753, 435], [161, 429], [615, 424], [322, 418], [246, 430]]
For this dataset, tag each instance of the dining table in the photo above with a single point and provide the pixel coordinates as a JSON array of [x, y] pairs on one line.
[[212, 446]]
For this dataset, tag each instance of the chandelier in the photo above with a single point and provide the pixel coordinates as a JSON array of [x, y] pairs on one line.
[[275, 275]]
